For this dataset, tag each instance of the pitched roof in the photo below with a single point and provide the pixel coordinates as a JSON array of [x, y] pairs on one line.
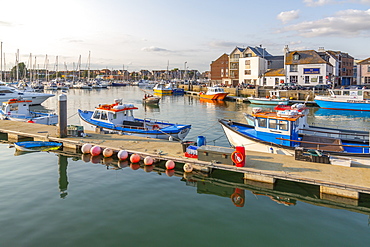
[[275, 72], [259, 51], [365, 61], [306, 57]]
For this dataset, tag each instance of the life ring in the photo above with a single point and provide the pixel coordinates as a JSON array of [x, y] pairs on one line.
[[237, 199], [237, 157], [155, 127]]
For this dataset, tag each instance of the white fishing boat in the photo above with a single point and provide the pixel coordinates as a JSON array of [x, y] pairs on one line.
[[19, 110], [284, 130], [273, 99], [353, 99], [7, 93], [119, 118]]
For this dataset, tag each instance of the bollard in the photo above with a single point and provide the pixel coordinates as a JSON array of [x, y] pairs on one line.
[[62, 116]]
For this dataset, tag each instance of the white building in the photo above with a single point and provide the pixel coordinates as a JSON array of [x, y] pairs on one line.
[[308, 68]]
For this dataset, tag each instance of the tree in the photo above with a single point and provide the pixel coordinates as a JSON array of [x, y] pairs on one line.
[[22, 71]]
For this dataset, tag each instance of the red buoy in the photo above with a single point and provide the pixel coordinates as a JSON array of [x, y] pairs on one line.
[[170, 164], [95, 150], [135, 158]]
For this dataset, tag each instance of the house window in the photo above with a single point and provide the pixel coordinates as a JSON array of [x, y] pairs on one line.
[[368, 68], [264, 81], [247, 72], [307, 79], [296, 57], [236, 55], [276, 81], [222, 72], [247, 64], [248, 55], [367, 80], [320, 79], [294, 79], [227, 72], [294, 68]]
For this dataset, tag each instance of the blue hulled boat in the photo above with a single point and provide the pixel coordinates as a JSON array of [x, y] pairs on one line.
[[345, 99], [118, 118]]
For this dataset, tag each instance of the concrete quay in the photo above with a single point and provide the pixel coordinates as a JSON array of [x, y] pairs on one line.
[[261, 168]]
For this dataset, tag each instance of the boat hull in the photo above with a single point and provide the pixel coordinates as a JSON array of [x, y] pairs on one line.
[[351, 105], [269, 101], [218, 96], [162, 91], [34, 146]]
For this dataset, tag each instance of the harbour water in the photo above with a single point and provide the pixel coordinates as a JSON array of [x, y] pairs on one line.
[[49, 199]]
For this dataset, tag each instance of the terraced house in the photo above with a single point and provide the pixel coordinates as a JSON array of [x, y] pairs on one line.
[[363, 72]]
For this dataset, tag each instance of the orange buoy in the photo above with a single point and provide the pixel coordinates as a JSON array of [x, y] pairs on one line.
[[107, 152], [170, 164], [135, 158], [95, 150], [85, 149], [122, 155], [148, 161]]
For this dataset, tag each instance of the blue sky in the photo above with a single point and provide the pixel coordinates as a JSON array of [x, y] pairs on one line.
[[149, 34]]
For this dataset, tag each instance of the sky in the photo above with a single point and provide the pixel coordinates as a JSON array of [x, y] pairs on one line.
[[156, 34]]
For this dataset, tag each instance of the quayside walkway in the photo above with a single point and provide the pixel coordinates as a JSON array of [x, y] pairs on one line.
[[264, 168]]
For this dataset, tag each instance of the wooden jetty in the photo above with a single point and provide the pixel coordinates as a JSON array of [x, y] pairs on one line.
[[261, 168]]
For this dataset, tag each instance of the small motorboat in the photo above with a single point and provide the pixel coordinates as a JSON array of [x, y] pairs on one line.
[[34, 146], [119, 118], [19, 110], [214, 93], [151, 99]]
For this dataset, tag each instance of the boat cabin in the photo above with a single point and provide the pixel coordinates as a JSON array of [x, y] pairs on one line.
[[285, 123], [350, 94], [116, 113], [215, 90], [16, 107]]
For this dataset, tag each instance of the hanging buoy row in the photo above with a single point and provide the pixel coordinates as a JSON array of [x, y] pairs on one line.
[[122, 155]]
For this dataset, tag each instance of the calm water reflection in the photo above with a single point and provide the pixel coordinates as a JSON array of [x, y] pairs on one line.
[[49, 199]]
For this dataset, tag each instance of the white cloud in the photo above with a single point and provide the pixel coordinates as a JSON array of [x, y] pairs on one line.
[[222, 44], [154, 49], [5, 24], [345, 23], [313, 3], [288, 16]]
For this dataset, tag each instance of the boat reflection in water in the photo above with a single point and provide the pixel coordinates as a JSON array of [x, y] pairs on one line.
[[212, 102], [223, 184], [342, 114]]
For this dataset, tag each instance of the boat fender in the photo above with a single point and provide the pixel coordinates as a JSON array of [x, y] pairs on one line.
[[155, 127]]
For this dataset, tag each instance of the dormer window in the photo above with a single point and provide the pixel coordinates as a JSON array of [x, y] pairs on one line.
[[296, 56]]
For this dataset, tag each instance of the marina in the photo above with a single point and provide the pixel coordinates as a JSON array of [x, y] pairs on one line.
[[264, 175]]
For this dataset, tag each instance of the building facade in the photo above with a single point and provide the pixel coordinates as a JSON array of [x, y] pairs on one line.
[[220, 70], [363, 72], [308, 68]]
